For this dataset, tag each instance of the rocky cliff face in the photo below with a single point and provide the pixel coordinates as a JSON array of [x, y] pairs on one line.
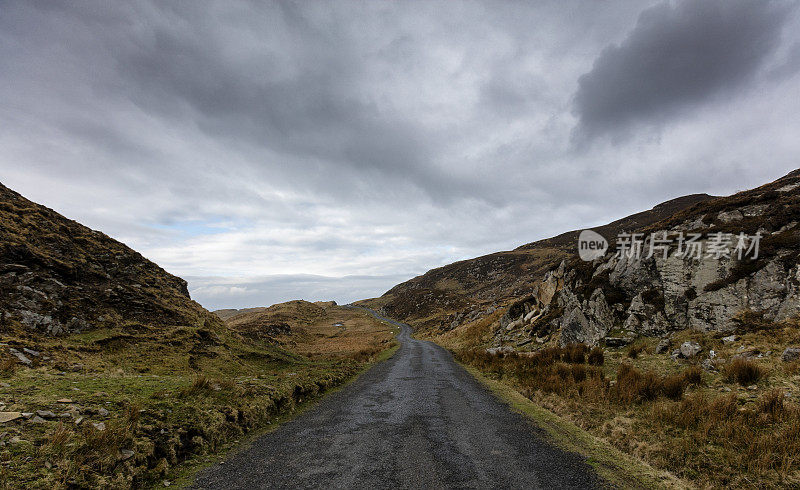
[[448, 296], [58, 276], [617, 297]]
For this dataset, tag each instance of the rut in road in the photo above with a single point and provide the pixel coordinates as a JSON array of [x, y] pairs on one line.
[[417, 420]]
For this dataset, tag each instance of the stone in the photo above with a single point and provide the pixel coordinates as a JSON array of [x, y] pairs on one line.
[[5, 385], [690, 349], [64, 400], [102, 412], [125, 454], [9, 416], [729, 339], [749, 354], [790, 354], [676, 354], [663, 346], [78, 420], [46, 414], [20, 357], [616, 341], [499, 350], [31, 352], [37, 420], [729, 216], [752, 387], [101, 426]]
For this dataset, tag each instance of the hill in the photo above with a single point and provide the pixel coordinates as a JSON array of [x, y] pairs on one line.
[[467, 290], [112, 377], [58, 276], [686, 357]]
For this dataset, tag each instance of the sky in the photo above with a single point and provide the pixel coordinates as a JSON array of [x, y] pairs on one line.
[[268, 151]]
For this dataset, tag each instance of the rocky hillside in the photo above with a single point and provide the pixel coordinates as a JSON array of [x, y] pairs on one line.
[[621, 296], [266, 323], [58, 276], [445, 297]]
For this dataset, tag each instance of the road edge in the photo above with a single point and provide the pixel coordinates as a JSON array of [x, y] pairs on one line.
[[191, 469], [616, 468]]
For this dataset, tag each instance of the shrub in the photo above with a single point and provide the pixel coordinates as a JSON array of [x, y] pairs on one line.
[[772, 403], [673, 386], [8, 365], [635, 349], [634, 386], [575, 353], [596, 356], [743, 372], [693, 376]]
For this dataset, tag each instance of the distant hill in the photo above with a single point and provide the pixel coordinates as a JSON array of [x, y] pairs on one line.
[[58, 276]]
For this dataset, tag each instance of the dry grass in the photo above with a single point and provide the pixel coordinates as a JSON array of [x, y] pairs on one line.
[[743, 372], [8, 366], [675, 419]]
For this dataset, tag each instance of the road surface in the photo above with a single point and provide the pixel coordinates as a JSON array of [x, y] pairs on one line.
[[417, 420]]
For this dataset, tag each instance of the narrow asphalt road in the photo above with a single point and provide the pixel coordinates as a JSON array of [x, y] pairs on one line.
[[417, 420]]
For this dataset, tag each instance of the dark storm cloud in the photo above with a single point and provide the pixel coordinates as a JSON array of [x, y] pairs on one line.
[[678, 55], [276, 146]]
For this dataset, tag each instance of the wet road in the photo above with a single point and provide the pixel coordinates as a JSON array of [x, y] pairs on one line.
[[417, 420]]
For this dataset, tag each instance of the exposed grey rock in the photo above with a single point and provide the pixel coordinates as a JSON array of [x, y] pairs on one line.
[[102, 412], [125, 454], [730, 216], [20, 356], [616, 341], [663, 346], [46, 414], [749, 354], [690, 349], [729, 339], [790, 354], [492, 350], [101, 426], [37, 420]]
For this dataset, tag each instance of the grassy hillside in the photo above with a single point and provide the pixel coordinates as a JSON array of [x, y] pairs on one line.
[[112, 377], [715, 406], [474, 288], [59, 276]]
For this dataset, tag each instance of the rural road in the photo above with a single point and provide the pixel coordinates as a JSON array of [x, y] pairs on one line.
[[417, 420]]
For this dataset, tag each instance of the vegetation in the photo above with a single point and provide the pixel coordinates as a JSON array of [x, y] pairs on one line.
[[135, 403], [735, 427]]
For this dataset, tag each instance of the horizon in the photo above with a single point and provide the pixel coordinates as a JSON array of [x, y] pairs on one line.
[[338, 152]]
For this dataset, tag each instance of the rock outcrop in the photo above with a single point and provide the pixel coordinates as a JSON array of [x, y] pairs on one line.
[[58, 276], [621, 297]]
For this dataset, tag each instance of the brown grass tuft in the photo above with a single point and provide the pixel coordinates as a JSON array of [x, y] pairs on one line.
[[743, 372], [596, 356]]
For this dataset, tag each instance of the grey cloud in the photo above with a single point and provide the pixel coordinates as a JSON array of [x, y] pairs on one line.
[[216, 292], [373, 139], [677, 55]]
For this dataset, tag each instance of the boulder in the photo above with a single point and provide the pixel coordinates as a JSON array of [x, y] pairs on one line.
[[20, 356], [663, 346], [616, 341], [690, 349], [9, 416], [790, 354]]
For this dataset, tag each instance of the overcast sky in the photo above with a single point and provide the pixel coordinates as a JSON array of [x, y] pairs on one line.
[[328, 150]]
